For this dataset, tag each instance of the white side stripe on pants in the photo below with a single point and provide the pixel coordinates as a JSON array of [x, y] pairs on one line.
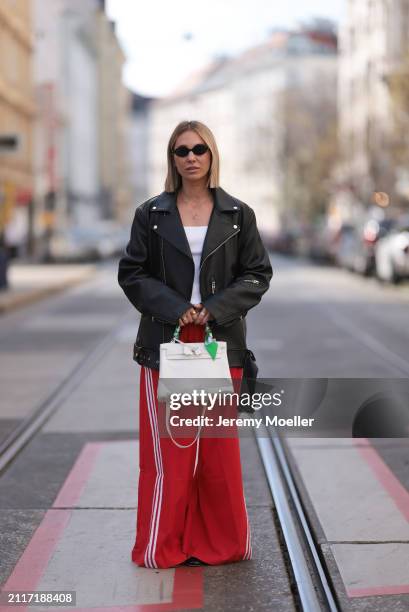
[[157, 495], [248, 553]]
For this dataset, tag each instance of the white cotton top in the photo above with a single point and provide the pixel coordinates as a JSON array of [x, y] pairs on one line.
[[196, 235]]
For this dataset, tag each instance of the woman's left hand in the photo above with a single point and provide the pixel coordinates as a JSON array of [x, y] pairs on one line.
[[204, 315]]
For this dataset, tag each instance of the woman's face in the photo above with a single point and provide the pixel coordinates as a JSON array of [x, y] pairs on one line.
[[192, 167]]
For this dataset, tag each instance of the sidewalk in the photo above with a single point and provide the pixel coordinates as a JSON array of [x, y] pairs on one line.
[[31, 282]]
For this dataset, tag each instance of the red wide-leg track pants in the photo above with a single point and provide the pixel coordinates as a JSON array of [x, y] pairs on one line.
[[190, 500]]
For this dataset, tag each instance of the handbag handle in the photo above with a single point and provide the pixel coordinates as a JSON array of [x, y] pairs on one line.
[[176, 334]]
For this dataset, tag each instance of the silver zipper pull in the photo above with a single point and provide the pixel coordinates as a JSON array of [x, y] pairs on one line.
[[213, 286]]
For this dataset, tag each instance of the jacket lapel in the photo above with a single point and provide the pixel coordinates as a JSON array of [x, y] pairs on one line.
[[170, 227], [221, 225]]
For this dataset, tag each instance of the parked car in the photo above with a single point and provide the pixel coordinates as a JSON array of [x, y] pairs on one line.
[[368, 236], [282, 242], [321, 242], [356, 244], [74, 244], [89, 243], [345, 246], [392, 253]]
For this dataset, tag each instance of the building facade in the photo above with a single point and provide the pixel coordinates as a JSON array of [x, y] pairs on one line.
[[83, 110], [139, 148], [114, 102], [243, 100], [17, 115], [373, 42]]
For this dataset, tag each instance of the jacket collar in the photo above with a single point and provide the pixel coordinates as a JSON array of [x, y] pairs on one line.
[[221, 226], [223, 201]]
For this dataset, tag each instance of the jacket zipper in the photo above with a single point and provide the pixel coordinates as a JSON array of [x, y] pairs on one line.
[[211, 253], [239, 316], [163, 261], [164, 280], [218, 247], [153, 318]]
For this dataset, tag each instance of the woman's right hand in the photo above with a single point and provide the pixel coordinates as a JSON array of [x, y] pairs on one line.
[[188, 317]]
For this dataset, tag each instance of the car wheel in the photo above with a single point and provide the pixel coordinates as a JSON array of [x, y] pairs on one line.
[[396, 279], [390, 275], [383, 270], [368, 268], [360, 266]]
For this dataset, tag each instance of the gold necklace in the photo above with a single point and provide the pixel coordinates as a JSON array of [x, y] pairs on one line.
[[194, 213]]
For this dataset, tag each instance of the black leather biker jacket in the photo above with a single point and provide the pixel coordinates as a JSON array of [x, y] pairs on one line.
[[156, 272]]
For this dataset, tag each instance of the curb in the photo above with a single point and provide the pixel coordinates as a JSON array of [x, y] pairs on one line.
[[11, 302]]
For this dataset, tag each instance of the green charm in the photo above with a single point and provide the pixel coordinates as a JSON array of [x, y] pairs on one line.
[[211, 348], [210, 344]]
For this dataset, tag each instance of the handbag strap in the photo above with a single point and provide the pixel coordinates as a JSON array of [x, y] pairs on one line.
[[208, 339], [170, 433]]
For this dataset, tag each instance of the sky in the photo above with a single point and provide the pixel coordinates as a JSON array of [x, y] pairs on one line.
[[165, 40]]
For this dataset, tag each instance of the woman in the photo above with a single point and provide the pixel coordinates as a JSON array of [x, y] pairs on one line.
[[194, 257]]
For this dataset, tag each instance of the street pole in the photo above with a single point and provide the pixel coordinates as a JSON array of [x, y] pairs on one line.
[[9, 144]]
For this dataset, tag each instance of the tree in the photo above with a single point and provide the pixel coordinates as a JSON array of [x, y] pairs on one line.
[[397, 145], [310, 148]]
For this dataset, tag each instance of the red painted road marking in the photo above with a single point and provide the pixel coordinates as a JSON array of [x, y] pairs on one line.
[[385, 475], [187, 593], [401, 498], [33, 562], [77, 478], [400, 589], [188, 581]]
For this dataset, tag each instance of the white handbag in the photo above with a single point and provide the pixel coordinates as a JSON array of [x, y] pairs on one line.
[[188, 366]]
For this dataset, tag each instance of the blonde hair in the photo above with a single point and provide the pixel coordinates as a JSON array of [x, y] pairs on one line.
[[173, 180]]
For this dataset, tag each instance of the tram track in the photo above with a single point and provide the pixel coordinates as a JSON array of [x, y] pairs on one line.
[[311, 582]]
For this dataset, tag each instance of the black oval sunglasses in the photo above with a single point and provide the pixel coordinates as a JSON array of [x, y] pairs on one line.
[[183, 151]]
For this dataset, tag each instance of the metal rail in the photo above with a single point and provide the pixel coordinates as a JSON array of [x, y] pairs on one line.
[[282, 485]]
